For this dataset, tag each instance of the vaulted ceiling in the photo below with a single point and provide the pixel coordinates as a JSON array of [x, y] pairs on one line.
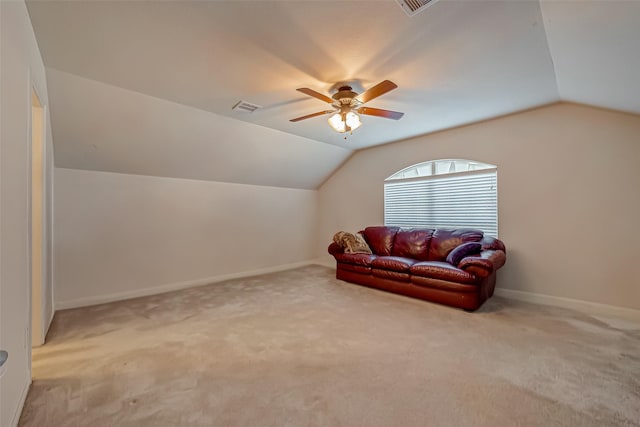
[[147, 87]]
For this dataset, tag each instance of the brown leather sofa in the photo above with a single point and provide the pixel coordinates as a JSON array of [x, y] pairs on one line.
[[455, 267]]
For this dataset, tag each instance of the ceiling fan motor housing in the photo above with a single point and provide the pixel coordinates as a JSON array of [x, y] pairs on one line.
[[345, 95]]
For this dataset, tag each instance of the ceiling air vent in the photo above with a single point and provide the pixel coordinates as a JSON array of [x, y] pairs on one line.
[[411, 7], [245, 106]]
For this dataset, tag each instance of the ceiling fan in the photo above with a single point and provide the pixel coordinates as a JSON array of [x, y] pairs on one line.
[[348, 105]]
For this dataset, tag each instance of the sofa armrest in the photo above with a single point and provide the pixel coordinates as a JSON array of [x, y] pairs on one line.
[[335, 248], [483, 264]]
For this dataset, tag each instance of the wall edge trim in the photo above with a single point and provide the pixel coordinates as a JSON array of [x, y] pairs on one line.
[[48, 325], [571, 303], [23, 399], [175, 286]]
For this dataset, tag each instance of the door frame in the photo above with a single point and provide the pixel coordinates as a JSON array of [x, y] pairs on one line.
[[37, 262]]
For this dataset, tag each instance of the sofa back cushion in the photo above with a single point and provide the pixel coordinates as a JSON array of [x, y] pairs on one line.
[[412, 243], [444, 240], [380, 239]]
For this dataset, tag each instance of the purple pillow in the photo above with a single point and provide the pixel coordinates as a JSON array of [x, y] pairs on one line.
[[464, 250]]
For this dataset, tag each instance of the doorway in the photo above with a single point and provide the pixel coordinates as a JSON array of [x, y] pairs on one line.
[[37, 217]]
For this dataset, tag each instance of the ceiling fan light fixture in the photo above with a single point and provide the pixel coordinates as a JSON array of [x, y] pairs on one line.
[[336, 123], [350, 122], [347, 104], [353, 120]]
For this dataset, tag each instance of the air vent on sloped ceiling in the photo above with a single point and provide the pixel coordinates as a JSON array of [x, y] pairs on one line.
[[245, 106], [411, 7]]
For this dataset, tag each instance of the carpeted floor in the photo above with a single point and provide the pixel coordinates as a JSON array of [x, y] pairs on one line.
[[300, 348]]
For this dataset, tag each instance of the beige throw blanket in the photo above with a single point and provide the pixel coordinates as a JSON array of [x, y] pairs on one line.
[[352, 244]]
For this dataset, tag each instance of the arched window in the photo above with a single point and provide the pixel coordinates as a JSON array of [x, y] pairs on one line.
[[450, 193]]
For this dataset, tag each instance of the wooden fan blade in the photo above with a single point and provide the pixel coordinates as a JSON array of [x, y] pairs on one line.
[[315, 94], [308, 116], [374, 92], [387, 114]]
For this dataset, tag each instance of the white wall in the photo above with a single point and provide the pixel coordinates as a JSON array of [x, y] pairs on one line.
[[568, 197], [119, 235], [21, 68]]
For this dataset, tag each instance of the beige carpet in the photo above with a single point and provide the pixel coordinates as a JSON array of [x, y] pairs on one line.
[[300, 348]]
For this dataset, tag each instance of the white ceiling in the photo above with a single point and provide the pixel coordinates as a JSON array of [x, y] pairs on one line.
[[455, 63]]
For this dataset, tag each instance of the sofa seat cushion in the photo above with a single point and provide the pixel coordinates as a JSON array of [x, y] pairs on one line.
[[393, 263], [443, 285], [354, 268], [442, 271], [355, 259], [391, 275]]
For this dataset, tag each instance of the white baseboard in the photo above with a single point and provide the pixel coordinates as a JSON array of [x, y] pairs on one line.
[[574, 304], [168, 287], [23, 398], [325, 262]]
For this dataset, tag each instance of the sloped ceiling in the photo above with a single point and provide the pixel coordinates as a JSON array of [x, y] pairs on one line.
[[106, 128], [175, 63], [594, 45]]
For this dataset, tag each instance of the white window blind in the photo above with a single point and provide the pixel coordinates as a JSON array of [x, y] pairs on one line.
[[458, 200]]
